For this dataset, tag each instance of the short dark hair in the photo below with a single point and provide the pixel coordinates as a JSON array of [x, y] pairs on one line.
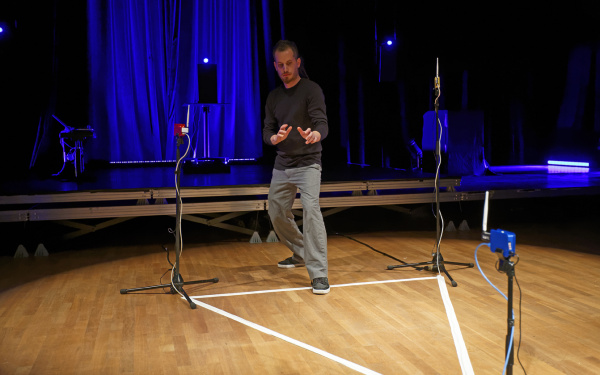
[[284, 45]]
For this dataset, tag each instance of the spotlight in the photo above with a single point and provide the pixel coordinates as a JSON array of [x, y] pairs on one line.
[[1, 29], [205, 60], [389, 42]]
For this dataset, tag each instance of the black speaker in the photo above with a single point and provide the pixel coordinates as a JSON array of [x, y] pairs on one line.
[[461, 143], [207, 83]]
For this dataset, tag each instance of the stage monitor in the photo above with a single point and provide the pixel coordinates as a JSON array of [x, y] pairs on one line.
[[207, 83]]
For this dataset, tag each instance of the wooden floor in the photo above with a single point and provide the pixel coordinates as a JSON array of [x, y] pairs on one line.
[[63, 314]]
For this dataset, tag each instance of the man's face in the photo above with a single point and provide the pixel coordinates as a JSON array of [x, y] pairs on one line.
[[287, 67]]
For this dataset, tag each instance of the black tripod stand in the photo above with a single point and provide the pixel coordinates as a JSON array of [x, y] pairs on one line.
[[437, 263], [177, 283]]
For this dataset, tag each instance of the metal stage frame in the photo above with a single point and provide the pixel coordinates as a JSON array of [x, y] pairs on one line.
[[215, 205], [210, 206]]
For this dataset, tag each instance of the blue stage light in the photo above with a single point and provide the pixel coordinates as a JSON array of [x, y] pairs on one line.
[[205, 60], [389, 42], [569, 163], [1, 29]]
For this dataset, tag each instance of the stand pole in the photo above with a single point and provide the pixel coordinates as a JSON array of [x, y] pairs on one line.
[[205, 110], [177, 283], [510, 272], [437, 263]]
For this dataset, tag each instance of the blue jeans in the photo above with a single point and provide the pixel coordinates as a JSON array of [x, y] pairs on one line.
[[311, 245]]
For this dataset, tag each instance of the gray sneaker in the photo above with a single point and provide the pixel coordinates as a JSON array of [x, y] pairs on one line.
[[320, 285], [290, 263]]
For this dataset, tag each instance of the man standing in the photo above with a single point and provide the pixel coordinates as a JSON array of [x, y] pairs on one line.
[[296, 123]]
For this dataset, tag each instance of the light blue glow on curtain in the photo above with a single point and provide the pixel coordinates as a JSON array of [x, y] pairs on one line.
[[143, 69]]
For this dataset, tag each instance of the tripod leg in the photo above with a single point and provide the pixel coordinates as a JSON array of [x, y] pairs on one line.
[[454, 284], [213, 280], [178, 284], [192, 304], [125, 291], [470, 265], [438, 265], [416, 265]]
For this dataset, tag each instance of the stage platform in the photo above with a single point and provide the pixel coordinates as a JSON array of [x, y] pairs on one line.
[[118, 193]]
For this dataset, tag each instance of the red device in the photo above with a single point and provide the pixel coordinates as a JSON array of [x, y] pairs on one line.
[[180, 130]]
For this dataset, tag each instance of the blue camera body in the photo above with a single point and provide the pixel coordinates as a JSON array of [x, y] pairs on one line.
[[503, 242]]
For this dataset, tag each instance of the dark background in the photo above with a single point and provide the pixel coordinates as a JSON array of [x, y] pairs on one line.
[[514, 54]]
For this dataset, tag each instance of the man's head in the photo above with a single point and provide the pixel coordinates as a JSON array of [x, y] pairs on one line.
[[287, 62], [282, 45]]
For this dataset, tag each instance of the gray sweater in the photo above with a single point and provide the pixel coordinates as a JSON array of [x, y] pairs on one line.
[[300, 106]]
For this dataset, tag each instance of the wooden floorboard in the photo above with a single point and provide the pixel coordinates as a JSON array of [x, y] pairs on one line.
[[63, 314]]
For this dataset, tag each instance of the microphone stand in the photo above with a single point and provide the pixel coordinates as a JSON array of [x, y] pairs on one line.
[[503, 243], [177, 283], [437, 263]]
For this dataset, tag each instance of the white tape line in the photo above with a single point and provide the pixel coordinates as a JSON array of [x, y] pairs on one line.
[[459, 343], [293, 289], [253, 292], [352, 365]]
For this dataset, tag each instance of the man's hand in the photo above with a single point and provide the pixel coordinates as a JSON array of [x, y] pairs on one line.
[[281, 134], [309, 135]]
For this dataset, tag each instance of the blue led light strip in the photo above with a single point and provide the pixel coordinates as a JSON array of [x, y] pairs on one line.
[[569, 163]]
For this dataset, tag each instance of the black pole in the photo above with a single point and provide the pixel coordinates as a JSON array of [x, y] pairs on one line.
[[438, 158], [176, 274], [177, 280], [510, 320], [205, 110]]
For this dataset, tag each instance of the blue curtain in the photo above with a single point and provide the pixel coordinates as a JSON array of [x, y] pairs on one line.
[[579, 73], [143, 71]]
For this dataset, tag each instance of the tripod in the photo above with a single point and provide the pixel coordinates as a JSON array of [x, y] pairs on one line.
[[177, 283], [437, 263]]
